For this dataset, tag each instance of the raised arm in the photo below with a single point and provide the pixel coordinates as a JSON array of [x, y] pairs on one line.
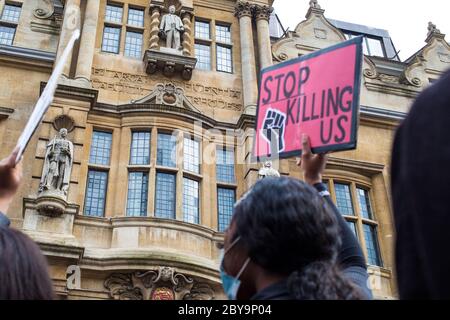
[[351, 258]]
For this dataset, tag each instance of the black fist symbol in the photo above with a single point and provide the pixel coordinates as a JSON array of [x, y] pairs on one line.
[[274, 128]]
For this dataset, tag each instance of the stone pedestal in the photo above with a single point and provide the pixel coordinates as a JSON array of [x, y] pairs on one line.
[[169, 62], [50, 216], [51, 204]]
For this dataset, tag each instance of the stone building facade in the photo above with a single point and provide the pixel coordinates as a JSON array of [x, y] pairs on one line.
[[161, 137]]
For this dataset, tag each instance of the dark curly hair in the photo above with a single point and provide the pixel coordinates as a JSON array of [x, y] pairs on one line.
[[287, 229]]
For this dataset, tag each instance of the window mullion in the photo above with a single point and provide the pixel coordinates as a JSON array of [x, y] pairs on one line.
[[152, 174], [372, 207], [366, 41], [123, 30], [332, 191], [213, 46], [355, 200], [360, 226], [179, 186], [138, 173]]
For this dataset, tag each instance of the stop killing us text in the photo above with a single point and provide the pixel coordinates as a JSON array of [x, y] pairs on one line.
[[332, 107]]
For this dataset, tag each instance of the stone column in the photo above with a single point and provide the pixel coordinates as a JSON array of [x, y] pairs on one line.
[[87, 44], [249, 79], [71, 22], [262, 16], [155, 12], [187, 36]]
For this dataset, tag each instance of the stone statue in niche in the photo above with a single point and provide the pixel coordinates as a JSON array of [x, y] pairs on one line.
[[57, 165], [171, 29]]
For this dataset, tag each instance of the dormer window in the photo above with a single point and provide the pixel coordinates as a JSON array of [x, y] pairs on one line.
[[373, 46]]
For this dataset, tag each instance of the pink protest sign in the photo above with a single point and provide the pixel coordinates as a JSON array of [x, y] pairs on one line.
[[316, 94]]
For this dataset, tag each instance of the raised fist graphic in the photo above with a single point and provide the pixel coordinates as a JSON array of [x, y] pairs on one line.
[[273, 129]]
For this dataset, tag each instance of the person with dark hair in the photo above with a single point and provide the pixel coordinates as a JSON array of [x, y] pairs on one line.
[[23, 268], [287, 241], [420, 174]]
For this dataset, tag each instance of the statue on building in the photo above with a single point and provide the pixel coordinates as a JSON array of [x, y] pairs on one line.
[[171, 29], [432, 28], [57, 165], [314, 4], [268, 171]]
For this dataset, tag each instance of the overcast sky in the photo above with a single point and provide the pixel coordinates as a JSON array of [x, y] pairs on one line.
[[406, 20]]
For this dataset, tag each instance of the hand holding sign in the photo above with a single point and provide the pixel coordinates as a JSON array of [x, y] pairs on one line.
[[311, 164]]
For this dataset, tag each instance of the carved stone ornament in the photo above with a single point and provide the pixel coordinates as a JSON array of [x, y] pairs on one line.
[[243, 9], [262, 12], [320, 33], [187, 16], [314, 4], [426, 63], [432, 28], [48, 8], [167, 94], [169, 63], [444, 57], [64, 122], [163, 283], [44, 10], [51, 206], [372, 72]]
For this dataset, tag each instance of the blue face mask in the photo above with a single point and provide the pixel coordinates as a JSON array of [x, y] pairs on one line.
[[231, 284]]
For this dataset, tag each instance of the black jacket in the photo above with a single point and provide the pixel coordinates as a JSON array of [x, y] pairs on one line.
[[420, 191], [351, 260]]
